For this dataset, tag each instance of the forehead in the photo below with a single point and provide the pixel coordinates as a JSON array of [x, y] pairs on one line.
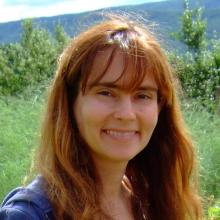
[[119, 67], [109, 62]]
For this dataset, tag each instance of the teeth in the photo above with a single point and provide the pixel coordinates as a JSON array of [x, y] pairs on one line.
[[120, 133]]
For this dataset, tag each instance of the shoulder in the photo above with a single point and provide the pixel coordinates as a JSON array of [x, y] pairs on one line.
[[27, 203]]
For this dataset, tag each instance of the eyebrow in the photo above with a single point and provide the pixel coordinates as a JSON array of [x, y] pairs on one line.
[[115, 86]]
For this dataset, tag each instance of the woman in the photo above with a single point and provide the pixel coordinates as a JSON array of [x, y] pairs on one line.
[[113, 142]]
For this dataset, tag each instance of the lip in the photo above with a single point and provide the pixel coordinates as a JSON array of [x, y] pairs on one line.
[[120, 134], [120, 131]]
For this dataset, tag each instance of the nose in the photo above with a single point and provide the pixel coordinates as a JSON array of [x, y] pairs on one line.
[[125, 109]]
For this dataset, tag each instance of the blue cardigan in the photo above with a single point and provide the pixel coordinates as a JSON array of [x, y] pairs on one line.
[[27, 203]]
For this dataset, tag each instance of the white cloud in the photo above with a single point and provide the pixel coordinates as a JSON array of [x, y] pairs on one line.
[[21, 9], [33, 2], [9, 12]]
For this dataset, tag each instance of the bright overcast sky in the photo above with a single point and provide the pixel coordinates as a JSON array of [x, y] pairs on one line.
[[11, 10]]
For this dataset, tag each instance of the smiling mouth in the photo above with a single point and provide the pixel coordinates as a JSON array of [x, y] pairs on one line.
[[121, 134]]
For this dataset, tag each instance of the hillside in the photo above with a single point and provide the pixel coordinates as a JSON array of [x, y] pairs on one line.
[[166, 14]]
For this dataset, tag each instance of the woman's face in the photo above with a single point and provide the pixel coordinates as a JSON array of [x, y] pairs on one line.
[[116, 124]]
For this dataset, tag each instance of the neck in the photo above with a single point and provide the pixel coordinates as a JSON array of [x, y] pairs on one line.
[[111, 174], [115, 197]]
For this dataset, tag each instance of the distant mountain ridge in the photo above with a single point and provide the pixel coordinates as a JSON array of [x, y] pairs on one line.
[[166, 14]]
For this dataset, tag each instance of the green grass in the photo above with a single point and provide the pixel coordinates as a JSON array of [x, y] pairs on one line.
[[19, 123], [205, 130], [19, 129]]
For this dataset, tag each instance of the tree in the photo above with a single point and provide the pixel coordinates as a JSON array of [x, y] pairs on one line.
[[28, 29], [28, 62], [198, 68], [31, 61], [39, 53], [61, 37], [12, 80], [193, 28]]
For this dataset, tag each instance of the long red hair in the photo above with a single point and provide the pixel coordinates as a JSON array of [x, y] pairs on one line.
[[160, 176]]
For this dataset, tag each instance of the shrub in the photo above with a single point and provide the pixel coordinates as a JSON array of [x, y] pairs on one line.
[[30, 61]]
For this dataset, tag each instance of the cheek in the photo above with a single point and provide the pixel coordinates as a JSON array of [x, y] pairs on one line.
[[90, 114], [150, 116], [95, 110]]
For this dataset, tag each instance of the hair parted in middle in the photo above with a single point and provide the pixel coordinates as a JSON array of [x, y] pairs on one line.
[[159, 176]]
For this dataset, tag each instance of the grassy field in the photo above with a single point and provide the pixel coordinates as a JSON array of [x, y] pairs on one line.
[[205, 130], [19, 123], [19, 126]]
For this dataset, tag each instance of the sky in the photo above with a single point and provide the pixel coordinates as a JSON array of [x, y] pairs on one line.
[[11, 10]]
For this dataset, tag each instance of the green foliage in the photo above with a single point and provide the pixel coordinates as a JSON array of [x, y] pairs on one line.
[[30, 61], [200, 77], [193, 28], [215, 44], [214, 209], [61, 37], [214, 213], [11, 80], [198, 68], [39, 53]]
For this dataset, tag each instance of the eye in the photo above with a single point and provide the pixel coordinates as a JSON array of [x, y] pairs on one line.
[[143, 96], [105, 93]]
